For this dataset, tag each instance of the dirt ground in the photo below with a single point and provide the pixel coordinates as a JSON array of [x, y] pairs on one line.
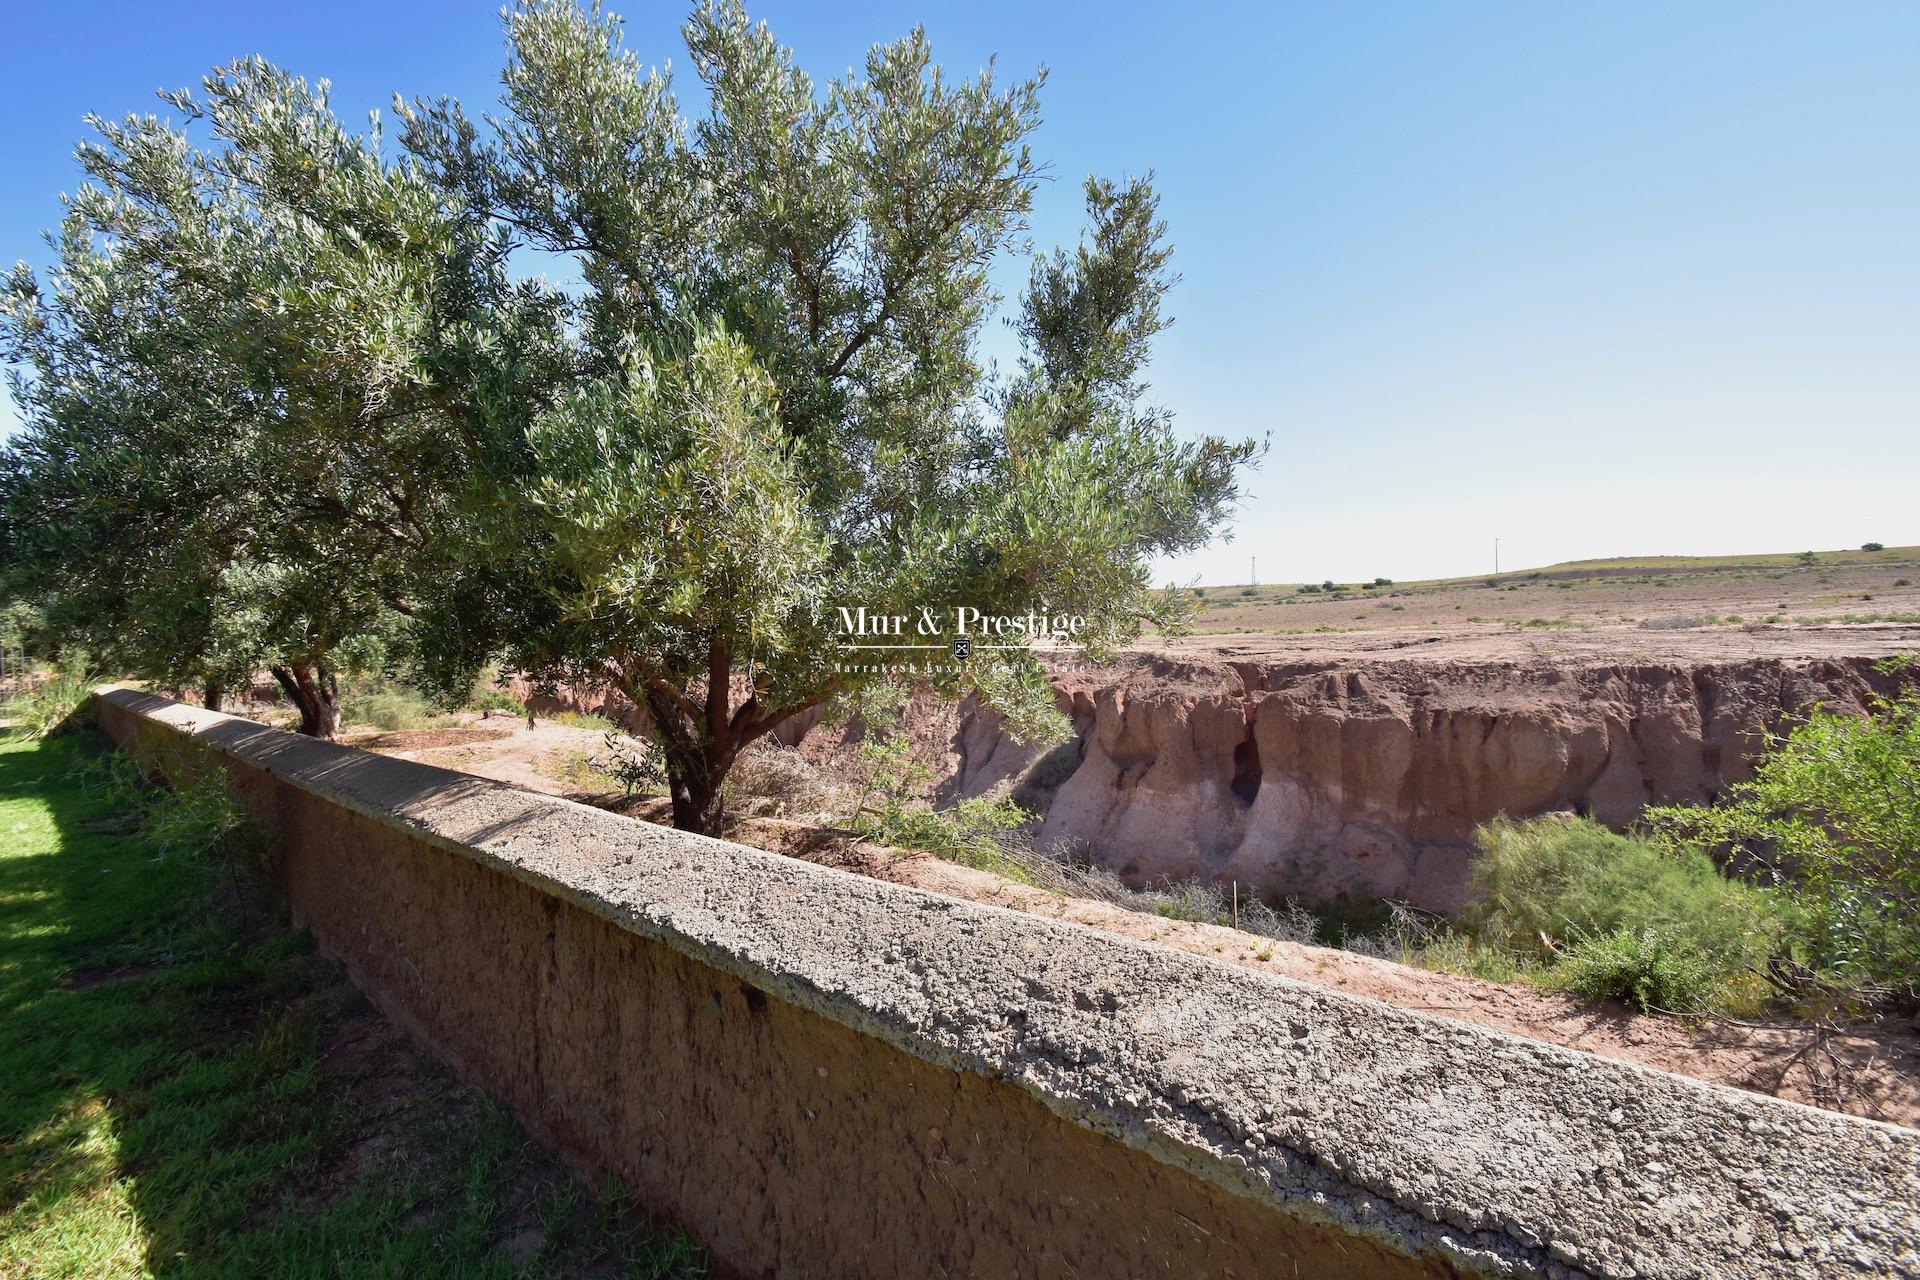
[[1721, 595], [550, 758], [1876, 1076], [1610, 644]]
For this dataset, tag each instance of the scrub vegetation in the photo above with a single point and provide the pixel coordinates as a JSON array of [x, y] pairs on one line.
[[48, 703], [1798, 893], [1659, 593]]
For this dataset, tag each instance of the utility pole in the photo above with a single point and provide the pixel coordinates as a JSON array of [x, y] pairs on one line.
[[1496, 555], [1253, 571]]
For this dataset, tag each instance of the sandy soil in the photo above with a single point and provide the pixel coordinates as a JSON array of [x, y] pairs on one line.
[[1876, 1076]]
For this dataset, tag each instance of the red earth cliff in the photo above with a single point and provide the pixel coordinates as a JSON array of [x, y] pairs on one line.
[[1320, 780], [1361, 765]]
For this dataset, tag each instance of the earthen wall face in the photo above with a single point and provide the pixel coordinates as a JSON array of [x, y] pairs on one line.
[[820, 1074]]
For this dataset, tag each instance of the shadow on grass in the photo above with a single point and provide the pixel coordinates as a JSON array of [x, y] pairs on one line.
[[184, 1095]]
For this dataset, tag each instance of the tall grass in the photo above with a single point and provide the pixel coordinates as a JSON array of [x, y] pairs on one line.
[[388, 705], [1544, 885], [52, 704], [1620, 916]]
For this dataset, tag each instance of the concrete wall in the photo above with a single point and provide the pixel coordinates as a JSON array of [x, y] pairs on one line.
[[824, 1075]]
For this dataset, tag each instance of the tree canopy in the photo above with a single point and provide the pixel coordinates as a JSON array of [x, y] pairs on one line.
[[290, 397]]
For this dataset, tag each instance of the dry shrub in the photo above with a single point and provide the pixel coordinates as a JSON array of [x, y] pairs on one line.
[[773, 780]]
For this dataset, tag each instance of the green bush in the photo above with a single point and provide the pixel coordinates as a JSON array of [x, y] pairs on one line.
[[976, 832], [1834, 810], [1654, 970], [389, 709], [637, 764], [972, 832], [1195, 901], [1553, 885], [184, 802]]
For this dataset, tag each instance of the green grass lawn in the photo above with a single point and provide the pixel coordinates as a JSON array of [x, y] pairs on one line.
[[189, 1089]]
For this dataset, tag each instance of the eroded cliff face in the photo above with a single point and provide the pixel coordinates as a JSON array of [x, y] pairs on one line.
[[1320, 780], [1361, 775]]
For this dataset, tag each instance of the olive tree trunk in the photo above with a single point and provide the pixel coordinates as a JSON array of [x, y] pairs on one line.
[[701, 733], [315, 692], [698, 789]]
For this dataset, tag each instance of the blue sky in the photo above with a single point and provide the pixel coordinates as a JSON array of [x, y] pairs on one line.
[[1595, 280]]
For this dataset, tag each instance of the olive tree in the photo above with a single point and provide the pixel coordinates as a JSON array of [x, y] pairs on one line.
[[282, 390], [777, 406], [244, 433], [116, 516]]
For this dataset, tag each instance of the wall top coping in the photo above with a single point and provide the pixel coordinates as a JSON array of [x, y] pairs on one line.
[[1496, 1154]]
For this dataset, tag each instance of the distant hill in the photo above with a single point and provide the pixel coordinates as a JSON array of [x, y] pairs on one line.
[[1767, 560]]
